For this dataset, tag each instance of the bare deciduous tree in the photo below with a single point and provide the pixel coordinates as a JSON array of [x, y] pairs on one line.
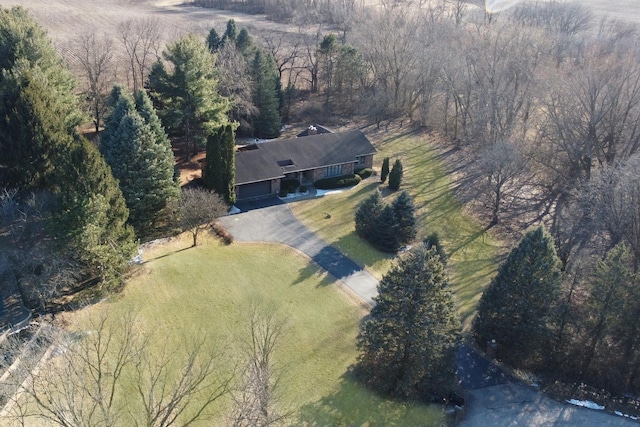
[[85, 377], [258, 403], [498, 171], [197, 209], [95, 57], [142, 41]]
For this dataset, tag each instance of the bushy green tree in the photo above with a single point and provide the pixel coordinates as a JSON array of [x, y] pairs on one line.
[[433, 241], [214, 42], [366, 213], [140, 156], [37, 101], [407, 346], [265, 96], [395, 176], [218, 173], [389, 226], [187, 96], [93, 214], [232, 30], [244, 42], [516, 309], [404, 212], [385, 170]]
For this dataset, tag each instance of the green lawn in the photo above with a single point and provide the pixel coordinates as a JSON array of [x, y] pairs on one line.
[[211, 287], [474, 254]]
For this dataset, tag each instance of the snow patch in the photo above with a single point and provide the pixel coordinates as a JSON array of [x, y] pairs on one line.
[[620, 414], [321, 193], [586, 404], [234, 210]]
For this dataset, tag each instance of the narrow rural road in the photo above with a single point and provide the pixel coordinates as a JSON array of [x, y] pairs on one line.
[[493, 397]]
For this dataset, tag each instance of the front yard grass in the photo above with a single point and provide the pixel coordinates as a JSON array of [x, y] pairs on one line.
[[474, 253], [210, 289]]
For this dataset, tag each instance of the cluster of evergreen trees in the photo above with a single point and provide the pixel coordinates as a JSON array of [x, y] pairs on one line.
[[41, 150], [386, 226], [262, 118], [395, 175]]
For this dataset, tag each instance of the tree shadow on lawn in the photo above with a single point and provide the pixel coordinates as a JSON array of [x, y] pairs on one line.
[[310, 270], [353, 405]]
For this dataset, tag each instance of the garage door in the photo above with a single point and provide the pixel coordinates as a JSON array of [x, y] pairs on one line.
[[256, 189]]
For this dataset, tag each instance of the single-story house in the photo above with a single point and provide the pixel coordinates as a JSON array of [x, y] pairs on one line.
[[261, 167]]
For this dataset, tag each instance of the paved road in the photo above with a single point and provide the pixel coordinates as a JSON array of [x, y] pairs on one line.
[[272, 221], [493, 397]]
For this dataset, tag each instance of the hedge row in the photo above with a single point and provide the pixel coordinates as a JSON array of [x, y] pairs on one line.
[[337, 182], [364, 173]]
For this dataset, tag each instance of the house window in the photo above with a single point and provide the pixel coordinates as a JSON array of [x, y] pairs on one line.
[[360, 160], [334, 170]]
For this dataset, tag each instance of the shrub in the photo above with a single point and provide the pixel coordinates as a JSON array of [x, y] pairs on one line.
[[395, 176], [364, 173], [337, 182], [222, 233], [283, 192], [303, 189], [385, 170], [290, 185]]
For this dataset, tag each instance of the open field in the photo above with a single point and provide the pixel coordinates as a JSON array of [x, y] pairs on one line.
[[64, 19], [474, 253], [210, 288]]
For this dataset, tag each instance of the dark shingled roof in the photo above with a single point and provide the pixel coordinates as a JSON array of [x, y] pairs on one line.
[[300, 154]]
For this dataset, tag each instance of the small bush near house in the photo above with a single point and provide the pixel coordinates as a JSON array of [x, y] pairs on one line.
[[291, 185], [364, 173], [303, 189], [337, 182], [283, 192]]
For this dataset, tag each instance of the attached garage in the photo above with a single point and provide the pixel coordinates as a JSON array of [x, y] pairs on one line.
[[255, 189]]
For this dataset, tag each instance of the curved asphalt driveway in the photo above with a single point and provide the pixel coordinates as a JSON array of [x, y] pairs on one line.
[[493, 398], [273, 221]]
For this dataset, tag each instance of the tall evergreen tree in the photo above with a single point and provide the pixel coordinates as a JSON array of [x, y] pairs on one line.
[[516, 309], [395, 176], [93, 214], [244, 42], [407, 347], [37, 101], [385, 170], [404, 211], [265, 96], [219, 171], [214, 42], [386, 233], [188, 95], [366, 213], [140, 156], [606, 303], [232, 31]]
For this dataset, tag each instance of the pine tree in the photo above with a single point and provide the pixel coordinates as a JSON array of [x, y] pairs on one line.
[[407, 347], [38, 107], [214, 42], [244, 42], [386, 233], [366, 213], [188, 96], [395, 176], [93, 214], [265, 97], [606, 303], [516, 309], [385, 170], [404, 211], [219, 171], [140, 156], [433, 241], [232, 30]]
